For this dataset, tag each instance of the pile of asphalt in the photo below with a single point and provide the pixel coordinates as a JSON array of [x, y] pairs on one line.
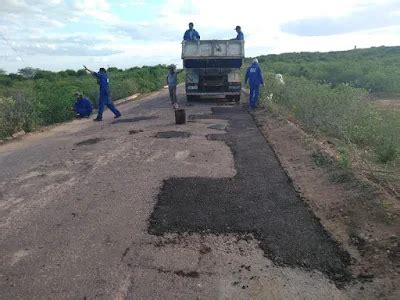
[[259, 200]]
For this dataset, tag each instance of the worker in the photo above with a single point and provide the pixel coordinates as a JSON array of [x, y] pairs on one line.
[[191, 34], [240, 35], [172, 82], [82, 107], [104, 98], [255, 78]]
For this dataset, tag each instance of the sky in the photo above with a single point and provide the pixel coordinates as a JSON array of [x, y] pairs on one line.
[[66, 34]]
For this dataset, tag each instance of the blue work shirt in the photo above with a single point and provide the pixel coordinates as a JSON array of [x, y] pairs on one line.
[[83, 107], [191, 35], [254, 75], [240, 36], [102, 80], [172, 78]]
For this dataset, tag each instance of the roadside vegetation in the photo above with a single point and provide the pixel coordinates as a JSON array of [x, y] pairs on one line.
[[34, 98], [375, 69], [330, 94]]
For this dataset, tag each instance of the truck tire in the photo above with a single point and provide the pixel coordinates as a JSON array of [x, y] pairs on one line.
[[190, 98]]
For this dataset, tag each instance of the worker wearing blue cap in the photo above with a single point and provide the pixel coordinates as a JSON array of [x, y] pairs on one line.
[[240, 35]]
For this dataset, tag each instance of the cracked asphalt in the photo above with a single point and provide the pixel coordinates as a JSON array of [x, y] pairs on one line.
[[139, 208]]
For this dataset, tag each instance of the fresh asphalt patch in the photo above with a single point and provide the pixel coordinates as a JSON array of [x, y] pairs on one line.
[[259, 200], [172, 134]]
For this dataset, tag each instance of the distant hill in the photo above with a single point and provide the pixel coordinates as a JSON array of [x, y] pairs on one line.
[[376, 69]]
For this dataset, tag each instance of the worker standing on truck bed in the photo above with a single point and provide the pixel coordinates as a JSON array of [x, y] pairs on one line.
[[172, 81], [255, 78], [240, 35], [104, 98], [191, 34]]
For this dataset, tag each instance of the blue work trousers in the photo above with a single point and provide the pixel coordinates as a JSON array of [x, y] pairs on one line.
[[254, 94], [105, 101]]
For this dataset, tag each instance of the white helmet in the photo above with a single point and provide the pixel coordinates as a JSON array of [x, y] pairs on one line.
[[255, 61]]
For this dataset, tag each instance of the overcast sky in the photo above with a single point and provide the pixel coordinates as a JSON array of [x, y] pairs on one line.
[[65, 34]]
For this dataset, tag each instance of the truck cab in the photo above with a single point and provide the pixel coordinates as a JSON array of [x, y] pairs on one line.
[[213, 68]]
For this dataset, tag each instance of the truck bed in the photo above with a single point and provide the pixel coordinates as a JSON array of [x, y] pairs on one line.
[[213, 49]]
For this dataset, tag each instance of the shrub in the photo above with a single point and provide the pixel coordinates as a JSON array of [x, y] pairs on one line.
[[17, 113]]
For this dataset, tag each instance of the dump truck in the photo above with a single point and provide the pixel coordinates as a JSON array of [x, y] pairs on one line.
[[213, 68]]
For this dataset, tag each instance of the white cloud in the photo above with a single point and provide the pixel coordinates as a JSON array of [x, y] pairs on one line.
[[98, 9], [136, 4]]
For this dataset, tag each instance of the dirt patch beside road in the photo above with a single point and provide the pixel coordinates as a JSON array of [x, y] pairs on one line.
[[364, 220]]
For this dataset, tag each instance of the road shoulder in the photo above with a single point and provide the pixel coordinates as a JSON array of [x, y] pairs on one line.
[[351, 211]]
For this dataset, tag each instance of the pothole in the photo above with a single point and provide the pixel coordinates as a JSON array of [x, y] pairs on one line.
[[136, 119], [135, 131], [172, 134], [89, 142]]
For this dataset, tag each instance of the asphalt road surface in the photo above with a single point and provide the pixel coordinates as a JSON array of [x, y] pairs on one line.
[[141, 208]]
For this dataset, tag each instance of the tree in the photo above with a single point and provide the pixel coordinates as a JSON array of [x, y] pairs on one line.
[[44, 75], [28, 72], [2, 72]]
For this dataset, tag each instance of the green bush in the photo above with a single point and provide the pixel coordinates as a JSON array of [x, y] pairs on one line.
[[17, 114]]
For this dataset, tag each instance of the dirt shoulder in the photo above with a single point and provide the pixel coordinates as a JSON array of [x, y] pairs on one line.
[[362, 219]]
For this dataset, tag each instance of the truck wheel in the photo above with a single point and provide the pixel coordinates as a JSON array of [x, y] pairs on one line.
[[190, 98], [236, 98]]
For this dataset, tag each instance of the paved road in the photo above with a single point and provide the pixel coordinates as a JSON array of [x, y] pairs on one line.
[[139, 208]]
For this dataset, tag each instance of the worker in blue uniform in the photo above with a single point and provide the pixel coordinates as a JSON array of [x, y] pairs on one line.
[[82, 107], [255, 78], [191, 34], [104, 98], [240, 35], [172, 82]]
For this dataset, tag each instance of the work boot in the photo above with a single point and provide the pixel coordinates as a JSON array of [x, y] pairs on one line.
[[117, 116], [98, 119]]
